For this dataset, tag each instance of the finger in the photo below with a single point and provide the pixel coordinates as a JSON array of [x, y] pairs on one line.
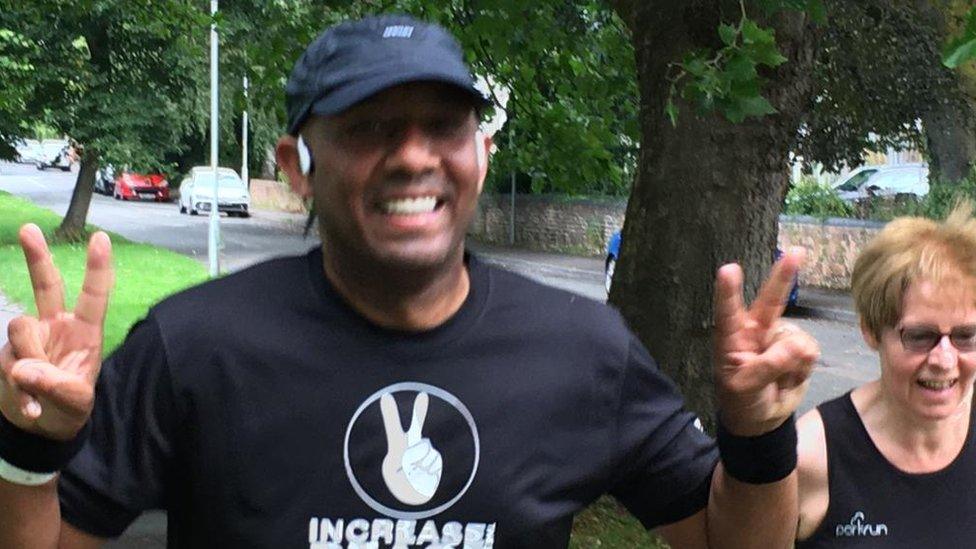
[[99, 277], [67, 391], [74, 361], [45, 278], [26, 338], [391, 421], [27, 404], [417, 421], [791, 357], [771, 300], [730, 311]]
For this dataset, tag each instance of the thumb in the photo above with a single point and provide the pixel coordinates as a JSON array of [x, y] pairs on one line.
[[66, 390]]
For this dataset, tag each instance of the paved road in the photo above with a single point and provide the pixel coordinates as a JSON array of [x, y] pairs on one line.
[[245, 241], [846, 360]]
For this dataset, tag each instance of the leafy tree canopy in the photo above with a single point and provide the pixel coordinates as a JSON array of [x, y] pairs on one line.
[[111, 74]]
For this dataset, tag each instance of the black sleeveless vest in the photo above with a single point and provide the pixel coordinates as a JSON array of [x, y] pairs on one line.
[[873, 504]]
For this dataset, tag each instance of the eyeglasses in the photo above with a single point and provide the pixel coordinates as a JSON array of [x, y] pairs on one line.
[[444, 131], [922, 339]]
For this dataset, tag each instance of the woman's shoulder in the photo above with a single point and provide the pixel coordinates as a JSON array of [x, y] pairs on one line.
[[812, 473]]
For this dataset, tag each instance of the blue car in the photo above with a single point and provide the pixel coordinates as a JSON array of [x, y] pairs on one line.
[[613, 252]]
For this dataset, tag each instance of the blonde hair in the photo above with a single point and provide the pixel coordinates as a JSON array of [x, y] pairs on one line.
[[907, 250]]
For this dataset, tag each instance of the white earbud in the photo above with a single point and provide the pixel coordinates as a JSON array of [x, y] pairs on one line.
[[304, 157], [479, 148]]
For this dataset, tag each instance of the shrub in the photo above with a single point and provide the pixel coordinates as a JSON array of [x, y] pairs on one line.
[[808, 197], [943, 196]]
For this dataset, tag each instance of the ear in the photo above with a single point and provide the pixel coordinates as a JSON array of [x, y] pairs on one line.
[[869, 336], [286, 153], [483, 144]]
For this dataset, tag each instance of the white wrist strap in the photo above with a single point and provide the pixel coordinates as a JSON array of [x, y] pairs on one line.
[[16, 475]]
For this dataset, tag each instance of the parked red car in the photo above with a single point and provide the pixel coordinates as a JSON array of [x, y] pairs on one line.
[[136, 186]]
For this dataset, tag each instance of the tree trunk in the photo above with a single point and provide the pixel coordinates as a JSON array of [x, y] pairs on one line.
[[950, 120], [707, 192], [950, 134], [72, 227]]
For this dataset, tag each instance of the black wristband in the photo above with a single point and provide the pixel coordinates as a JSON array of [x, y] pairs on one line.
[[762, 459], [35, 453]]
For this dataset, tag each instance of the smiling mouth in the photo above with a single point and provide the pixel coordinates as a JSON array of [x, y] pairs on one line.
[[937, 385], [411, 206]]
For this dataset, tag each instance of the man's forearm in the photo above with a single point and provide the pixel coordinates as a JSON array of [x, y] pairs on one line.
[[744, 515], [30, 516]]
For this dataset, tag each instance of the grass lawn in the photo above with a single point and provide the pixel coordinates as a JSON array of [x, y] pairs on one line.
[[144, 274], [607, 524]]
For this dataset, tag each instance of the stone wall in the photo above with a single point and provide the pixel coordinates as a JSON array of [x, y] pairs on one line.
[[549, 223], [832, 247], [583, 227], [268, 194], [558, 224]]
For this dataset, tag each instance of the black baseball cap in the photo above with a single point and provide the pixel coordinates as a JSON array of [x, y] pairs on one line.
[[357, 59]]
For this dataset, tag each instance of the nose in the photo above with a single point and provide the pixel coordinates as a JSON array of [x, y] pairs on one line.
[[944, 354], [413, 152]]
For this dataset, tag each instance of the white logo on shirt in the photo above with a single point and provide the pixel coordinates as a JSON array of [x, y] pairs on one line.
[[398, 31], [410, 471], [857, 527], [412, 466]]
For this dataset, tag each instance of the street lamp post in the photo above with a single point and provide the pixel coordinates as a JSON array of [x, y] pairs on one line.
[[213, 235], [244, 174]]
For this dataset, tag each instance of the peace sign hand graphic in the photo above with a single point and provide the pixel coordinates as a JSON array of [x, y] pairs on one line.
[[412, 466]]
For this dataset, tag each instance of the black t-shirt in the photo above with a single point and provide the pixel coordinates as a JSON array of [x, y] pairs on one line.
[[261, 411], [872, 503]]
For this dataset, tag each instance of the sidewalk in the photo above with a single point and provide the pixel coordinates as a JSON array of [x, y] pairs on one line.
[[8, 311], [813, 302], [828, 304]]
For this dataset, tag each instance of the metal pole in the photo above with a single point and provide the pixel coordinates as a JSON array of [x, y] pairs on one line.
[[511, 218], [244, 174], [213, 237]]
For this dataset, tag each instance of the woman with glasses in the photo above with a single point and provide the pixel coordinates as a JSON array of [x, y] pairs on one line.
[[893, 462]]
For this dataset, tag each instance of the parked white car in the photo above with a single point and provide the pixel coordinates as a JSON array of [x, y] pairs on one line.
[[869, 181], [28, 151], [196, 192]]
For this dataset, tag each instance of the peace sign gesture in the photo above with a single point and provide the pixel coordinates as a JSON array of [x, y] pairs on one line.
[[762, 364], [412, 466], [51, 362]]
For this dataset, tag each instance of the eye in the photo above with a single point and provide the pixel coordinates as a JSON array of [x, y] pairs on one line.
[[917, 338], [964, 337], [364, 128], [446, 127]]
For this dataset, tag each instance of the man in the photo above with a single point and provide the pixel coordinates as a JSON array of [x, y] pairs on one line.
[[387, 389]]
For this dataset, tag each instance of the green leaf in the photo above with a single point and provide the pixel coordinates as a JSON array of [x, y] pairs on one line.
[[695, 66], [752, 33], [756, 106], [672, 110], [817, 11], [959, 52], [740, 68], [765, 54], [727, 33]]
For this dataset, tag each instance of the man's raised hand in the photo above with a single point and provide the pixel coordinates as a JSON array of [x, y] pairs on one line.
[[51, 362], [762, 364]]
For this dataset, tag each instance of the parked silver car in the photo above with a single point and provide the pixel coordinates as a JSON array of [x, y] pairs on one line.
[[868, 181], [196, 192]]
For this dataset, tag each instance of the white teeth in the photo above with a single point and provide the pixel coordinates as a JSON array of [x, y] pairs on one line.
[[410, 206], [937, 385]]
